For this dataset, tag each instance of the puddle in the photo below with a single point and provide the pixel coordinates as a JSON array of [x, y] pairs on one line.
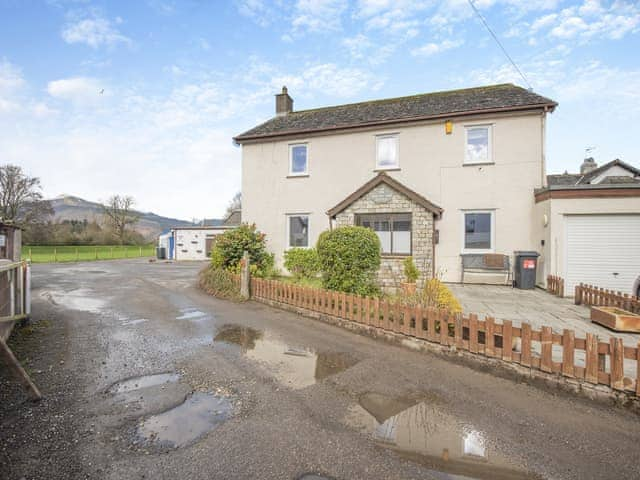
[[79, 299], [292, 365], [134, 322], [186, 423], [192, 314], [422, 432], [144, 382], [313, 476]]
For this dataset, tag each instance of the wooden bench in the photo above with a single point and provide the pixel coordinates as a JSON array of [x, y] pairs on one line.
[[486, 263]]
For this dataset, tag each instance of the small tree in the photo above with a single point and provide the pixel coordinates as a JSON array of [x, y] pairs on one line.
[[349, 259], [230, 246], [120, 215], [411, 272], [21, 200]]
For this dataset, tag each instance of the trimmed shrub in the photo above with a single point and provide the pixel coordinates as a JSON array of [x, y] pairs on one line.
[[220, 283], [302, 262], [349, 258], [229, 247], [411, 272]]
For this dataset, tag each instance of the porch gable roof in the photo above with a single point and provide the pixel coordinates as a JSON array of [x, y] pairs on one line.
[[384, 178]]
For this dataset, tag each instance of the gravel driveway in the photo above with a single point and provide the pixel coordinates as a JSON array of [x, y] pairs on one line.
[[144, 376]]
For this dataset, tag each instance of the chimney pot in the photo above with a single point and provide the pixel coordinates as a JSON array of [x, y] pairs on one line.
[[588, 165], [284, 103]]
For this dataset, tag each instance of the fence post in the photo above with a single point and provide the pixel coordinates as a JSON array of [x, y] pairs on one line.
[[244, 276], [140, 251], [55, 254], [578, 294], [30, 257]]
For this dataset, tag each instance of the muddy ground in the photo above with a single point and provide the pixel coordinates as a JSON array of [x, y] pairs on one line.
[[144, 376]]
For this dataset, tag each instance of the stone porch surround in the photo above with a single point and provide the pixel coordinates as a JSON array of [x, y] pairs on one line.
[[380, 196]]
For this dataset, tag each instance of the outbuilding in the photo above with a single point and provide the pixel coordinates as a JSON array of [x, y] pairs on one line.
[[192, 243], [590, 226]]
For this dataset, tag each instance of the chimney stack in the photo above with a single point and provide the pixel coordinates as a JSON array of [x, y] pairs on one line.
[[284, 103], [588, 165]]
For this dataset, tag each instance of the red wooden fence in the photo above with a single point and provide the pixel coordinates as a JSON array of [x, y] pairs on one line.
[[555, 285], [521, 345], [599, 297]]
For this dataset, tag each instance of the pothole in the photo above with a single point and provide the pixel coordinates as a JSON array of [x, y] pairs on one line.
[[145, 381], [186, 423], [293, 365], [421, 431]]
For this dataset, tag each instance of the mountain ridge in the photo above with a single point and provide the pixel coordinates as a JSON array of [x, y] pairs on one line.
[[150, 225]]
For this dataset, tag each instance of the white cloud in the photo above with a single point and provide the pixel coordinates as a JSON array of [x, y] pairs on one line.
[[79, 90], [317, 15], [433, 48], [357, 45], [591, 20], [94, 31], [11, 82], [257, 10]]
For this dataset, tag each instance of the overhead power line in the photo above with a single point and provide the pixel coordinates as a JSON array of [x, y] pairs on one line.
[[504, 50]]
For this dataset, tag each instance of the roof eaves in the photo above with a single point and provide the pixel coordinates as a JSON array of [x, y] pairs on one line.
[[462, 113]]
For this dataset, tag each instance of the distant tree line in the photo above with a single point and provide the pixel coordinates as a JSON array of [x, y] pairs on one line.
[[22, 204]]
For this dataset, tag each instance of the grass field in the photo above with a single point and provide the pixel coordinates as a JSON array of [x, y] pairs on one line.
[[84, 253]]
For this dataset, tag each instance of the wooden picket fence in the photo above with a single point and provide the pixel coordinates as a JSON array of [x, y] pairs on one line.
[[603, 362], [555, 285], [599, 297]]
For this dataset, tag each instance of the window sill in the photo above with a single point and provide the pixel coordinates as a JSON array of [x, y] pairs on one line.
[[390, 169], [478, 164], [297, 175], [395, 255]]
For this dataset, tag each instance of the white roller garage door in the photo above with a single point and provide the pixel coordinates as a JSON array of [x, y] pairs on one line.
[[602, 250]]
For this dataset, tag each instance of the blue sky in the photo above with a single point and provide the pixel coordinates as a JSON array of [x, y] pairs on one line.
[[180, 78]]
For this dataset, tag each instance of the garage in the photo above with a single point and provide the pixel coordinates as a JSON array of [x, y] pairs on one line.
[[602, 250]]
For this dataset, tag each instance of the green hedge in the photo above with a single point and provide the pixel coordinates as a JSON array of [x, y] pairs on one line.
[[302, 262], [349, 259], [219, 282]]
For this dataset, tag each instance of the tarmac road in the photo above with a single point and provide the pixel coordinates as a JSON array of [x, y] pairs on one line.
[[145, 376]]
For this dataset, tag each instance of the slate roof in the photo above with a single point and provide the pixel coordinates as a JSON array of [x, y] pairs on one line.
[[576, 179], [493, 98], [384, 178]]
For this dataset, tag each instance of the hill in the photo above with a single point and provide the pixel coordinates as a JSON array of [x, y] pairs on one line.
[[68, 207]]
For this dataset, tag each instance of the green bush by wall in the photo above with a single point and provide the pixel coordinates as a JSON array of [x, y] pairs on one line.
[[349, 258], [302, 262]]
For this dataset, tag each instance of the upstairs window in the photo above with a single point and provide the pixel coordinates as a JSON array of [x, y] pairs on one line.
[[393, 230], [478, 145], [387, 152], [298, 231], [298, 159]]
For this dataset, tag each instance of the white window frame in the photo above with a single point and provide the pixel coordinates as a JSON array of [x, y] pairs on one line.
[[489, 159], [288, 229], [397, 139], [492, 236], [306, 170]]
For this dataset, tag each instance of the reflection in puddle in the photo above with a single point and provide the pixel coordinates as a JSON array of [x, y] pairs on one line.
[[425, 434], [191, 314], [134, 322], [79, 299], [144, 382], [295, 366], [187, 422]]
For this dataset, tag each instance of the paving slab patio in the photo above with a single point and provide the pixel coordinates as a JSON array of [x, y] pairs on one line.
[[539, 308], [536, 307]]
